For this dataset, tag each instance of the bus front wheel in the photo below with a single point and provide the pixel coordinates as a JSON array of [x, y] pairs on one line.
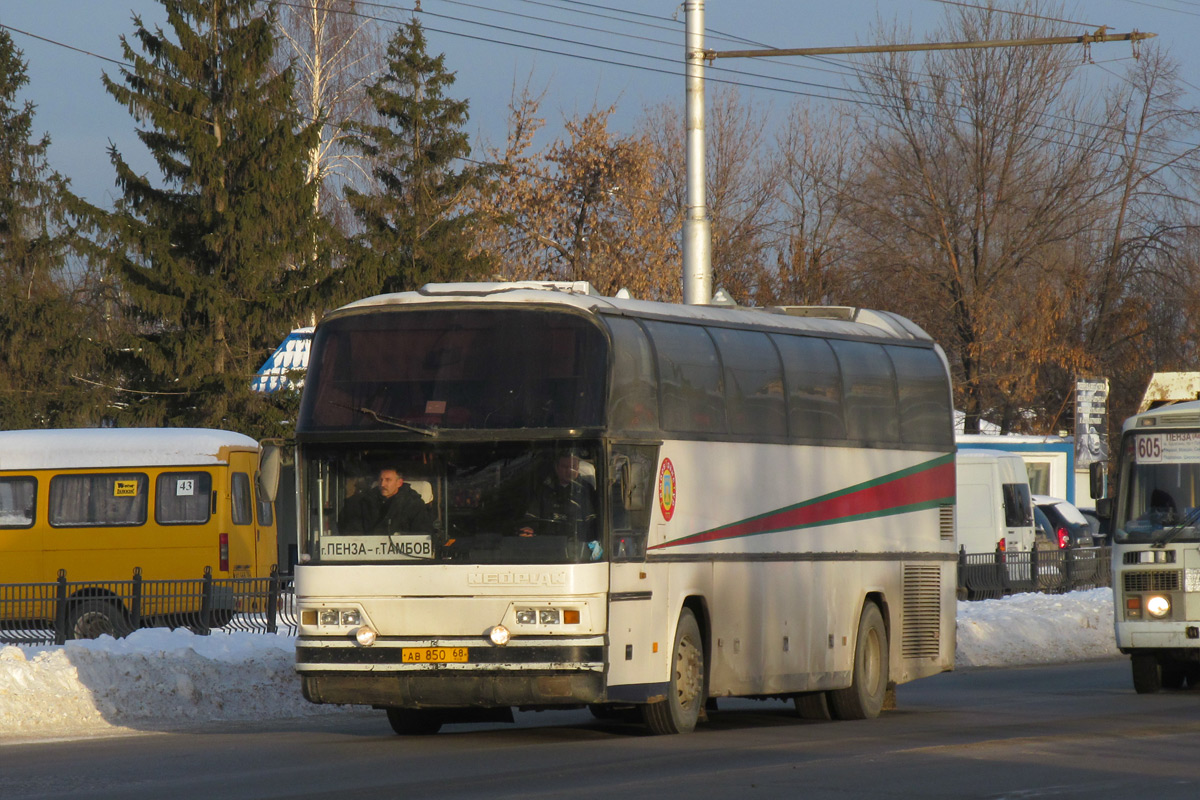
[[91, 619], [680, 710], [863, 699], [1147, 673], [414, 721]]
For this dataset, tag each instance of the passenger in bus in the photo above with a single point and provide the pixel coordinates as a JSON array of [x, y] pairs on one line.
[[564, 505], [389, 507], [1162, 507]]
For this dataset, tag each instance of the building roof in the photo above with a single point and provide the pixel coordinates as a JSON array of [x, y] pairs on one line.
[[280, 370]]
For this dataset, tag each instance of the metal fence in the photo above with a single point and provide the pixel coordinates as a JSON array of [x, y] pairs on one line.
[[51, 613], [987, 576]]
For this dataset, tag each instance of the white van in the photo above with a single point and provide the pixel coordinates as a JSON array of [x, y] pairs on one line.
[[994, 506]]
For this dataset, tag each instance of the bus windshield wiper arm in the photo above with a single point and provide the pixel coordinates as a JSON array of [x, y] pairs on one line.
[[395, 423], [1187, 521]]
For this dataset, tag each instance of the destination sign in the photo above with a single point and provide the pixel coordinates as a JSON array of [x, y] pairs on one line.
[[400, 547]]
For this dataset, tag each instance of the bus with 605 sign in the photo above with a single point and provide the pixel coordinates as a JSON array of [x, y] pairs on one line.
[[528, 495]]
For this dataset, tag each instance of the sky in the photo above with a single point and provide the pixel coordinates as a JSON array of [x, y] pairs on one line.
[[581, 54], [158, 680]]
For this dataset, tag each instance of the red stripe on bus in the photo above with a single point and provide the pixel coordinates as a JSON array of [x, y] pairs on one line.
[[925, 486]]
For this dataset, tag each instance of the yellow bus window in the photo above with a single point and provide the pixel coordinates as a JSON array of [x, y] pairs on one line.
[[98, 500], [183, 498], [17, 501]]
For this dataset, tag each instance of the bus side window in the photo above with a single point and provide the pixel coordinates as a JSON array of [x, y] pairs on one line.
[[99, 500], [17, 501], [182, 498], [243, 513], [632, 488]]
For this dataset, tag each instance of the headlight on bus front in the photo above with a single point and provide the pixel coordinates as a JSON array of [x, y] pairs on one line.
[[1158, 606], [547, 616], [333, 617]]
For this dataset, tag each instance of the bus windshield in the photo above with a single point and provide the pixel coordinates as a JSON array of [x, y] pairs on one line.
[[1161, 489], [511, 502], [423, 370]]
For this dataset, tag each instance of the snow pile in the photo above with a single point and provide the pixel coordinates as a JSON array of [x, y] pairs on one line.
[[157, 679], [1036, 629]]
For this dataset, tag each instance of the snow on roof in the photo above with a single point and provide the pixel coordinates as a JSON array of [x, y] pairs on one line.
[[116, 447], [290, 356]]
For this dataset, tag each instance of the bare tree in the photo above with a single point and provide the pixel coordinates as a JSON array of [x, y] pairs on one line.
[[583, 209], [337, 53], [742, 179], [976, 174], [818, 154]]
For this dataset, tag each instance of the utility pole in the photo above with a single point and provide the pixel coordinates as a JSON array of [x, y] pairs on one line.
[[697, 229]]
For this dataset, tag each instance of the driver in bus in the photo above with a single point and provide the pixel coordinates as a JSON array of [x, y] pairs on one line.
[[564, 505], [387, 508]]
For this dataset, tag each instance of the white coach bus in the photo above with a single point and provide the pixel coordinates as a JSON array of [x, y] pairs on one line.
[[628, 504], [1155, 520]]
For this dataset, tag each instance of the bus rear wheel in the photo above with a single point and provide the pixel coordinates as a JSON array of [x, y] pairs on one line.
[[679, 712], [812, 705], [863, 699], [91, 619]]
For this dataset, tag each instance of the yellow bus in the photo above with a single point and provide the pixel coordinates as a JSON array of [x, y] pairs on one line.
[[99, 503]]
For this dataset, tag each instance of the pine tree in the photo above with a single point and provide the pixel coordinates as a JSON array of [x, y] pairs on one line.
[[215, 261], [47, 357], [416, 226]]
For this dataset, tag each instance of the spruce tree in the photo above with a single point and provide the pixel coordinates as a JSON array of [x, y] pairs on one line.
[[416, 227], [47, 352], [214, 259]]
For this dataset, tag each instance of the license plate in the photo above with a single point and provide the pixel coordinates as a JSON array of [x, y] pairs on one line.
[[433, 655]]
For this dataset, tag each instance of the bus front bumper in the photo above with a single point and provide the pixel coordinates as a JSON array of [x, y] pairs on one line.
[[530, 674], [454, 690]]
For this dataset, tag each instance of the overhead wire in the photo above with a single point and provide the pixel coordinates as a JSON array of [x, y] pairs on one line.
[[674, 72]]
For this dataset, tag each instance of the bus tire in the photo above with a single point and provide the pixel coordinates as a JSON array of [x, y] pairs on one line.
[[414, 721], [91, 619], [679, 712], [812, 705], [863, 699], [1147, 673], [1173, 675]]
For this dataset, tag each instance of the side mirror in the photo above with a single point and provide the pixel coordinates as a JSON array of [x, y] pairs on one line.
[[1098, 479], [1104, 508], [270, 460]]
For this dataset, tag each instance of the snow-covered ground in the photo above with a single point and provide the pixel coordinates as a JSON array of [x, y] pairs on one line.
[[166, 680]]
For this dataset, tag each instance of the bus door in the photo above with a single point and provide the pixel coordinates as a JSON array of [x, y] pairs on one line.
[[634, 591], [240, 544]]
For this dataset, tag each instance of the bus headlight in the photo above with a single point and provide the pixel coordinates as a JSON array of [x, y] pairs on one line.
[[339, 617], [499, 635], [1158, 606], [365, 636]]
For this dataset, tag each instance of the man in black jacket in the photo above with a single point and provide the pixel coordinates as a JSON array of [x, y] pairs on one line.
[[390, 507], [564, 505]]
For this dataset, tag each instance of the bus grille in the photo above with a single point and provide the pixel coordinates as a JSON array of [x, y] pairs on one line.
[[946, 522], [922, 634], [1160, 580]]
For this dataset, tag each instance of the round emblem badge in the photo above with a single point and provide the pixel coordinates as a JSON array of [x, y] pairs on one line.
[[666, 489]]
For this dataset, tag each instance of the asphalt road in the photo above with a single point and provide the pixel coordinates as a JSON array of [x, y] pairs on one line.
[[1070, 731]]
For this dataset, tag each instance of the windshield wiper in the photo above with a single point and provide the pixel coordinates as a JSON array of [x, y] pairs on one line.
[[383, 419], [1187, 522]]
